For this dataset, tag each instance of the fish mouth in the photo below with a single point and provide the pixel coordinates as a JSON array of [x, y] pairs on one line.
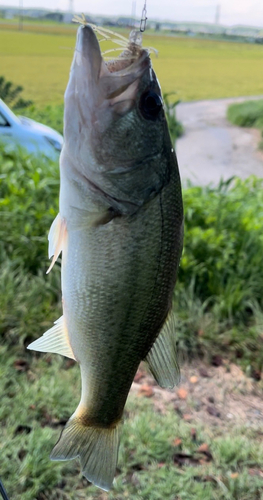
[[110, 79]]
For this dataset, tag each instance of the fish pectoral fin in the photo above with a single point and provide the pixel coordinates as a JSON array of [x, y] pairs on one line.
[[162, 358], [54, 340], [56, 238], [96, 447], [84, 219]]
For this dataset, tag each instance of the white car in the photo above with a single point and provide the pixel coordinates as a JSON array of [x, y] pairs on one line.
[[35, 137]]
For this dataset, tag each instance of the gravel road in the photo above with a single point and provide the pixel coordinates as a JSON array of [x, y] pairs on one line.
[[212, 148]]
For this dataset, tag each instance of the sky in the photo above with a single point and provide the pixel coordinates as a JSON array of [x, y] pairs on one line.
[[246, 12]]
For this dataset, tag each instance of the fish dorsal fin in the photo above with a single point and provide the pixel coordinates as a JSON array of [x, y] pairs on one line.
[[56, 238], [54, 340], [162, 358]]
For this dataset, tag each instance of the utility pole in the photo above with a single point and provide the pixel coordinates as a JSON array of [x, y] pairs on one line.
[[71, 6], [20, 17], [133, 13], [218, 9]]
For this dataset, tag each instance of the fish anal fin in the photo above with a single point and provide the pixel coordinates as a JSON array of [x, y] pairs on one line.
[[96, 447], [54, 340], [56, 238], [162, 358]]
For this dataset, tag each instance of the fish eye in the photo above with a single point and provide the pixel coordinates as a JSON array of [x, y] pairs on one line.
[[150, 105]]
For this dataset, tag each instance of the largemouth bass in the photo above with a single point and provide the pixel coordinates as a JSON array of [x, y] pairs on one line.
[[120, 230]]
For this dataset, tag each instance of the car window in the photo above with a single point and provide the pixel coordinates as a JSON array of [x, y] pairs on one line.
[[3, 121]]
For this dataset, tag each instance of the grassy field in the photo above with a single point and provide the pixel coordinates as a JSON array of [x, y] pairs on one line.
[[218, 303], [195, 69], [162, 456]]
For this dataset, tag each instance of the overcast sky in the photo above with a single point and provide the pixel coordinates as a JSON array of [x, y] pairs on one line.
[[248, 12]]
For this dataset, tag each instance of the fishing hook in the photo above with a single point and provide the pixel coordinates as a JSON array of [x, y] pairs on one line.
[[143, 18]]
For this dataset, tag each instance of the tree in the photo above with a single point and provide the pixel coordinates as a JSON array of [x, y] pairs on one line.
[[9, 92]]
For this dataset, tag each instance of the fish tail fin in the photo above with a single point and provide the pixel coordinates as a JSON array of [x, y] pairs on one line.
[[96, 447]]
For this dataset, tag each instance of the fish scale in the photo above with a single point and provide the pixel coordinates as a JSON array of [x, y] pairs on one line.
[[124, 326], [120, 230]]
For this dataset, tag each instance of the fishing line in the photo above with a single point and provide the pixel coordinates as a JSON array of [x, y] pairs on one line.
[[3, 492], [143, 18]]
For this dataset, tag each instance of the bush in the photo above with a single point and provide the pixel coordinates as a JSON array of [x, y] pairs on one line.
[[220, 286], [224, 245], [175, 127], [219, 294], [29, 304], [28, 204], [246, 114], [10, 94]]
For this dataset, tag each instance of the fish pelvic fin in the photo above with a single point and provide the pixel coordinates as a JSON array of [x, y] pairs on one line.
[[97, 449], [162, 358], [56, 238], [54, 340]]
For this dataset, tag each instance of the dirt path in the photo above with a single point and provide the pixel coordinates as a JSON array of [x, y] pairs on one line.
[[211, 147], [209, 395]]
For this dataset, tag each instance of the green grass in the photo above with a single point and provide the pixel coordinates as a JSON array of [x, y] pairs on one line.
[[247, 114], [196, 69], [35, 399], [28, 203], [220, 286]]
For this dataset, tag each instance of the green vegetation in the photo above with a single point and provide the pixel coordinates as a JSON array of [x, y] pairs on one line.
[[218, 306], [28, 203], [220, 281], [247, 114], [10, 92], [39, 393], [175, 127], [218, 301], [197, 69], [220, 286]]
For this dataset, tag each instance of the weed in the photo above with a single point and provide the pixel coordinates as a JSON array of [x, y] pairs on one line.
[[247, 114], [175, 127], [37, 398]]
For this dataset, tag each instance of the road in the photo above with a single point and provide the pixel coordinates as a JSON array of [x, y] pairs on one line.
[[211, 148]]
